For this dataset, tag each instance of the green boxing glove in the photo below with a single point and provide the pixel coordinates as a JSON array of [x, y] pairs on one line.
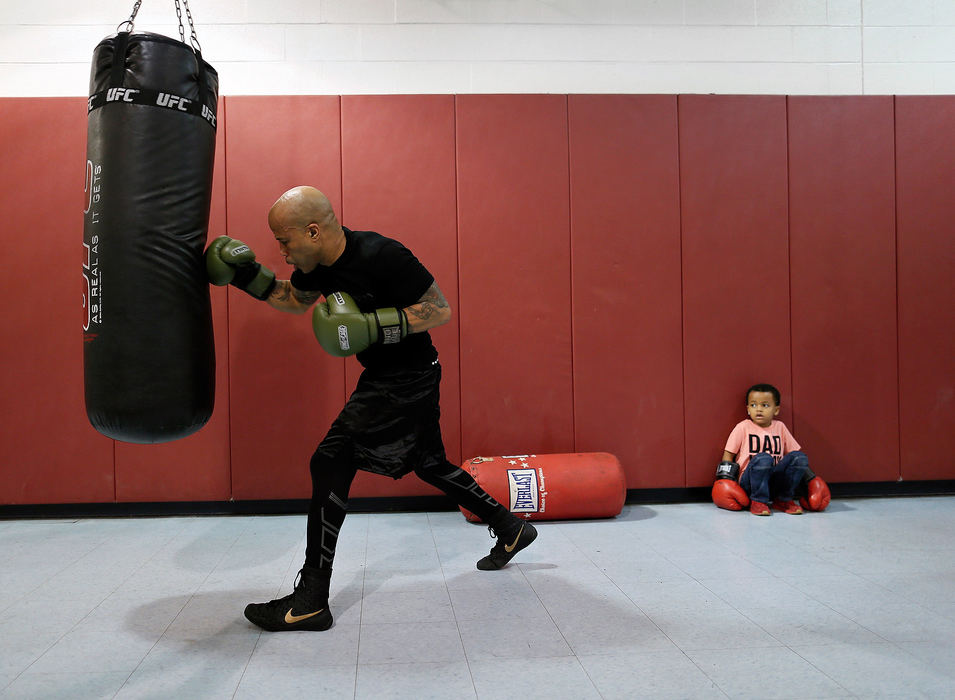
[[230, 261], [343, 330]]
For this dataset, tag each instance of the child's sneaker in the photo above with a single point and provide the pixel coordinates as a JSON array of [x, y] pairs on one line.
[[757, 508], [787, 507]]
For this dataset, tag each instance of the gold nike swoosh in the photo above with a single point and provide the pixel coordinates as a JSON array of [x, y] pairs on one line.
[[292, 619], [510, 547]]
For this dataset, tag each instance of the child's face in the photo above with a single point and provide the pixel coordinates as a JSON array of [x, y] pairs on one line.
[[762, 408]]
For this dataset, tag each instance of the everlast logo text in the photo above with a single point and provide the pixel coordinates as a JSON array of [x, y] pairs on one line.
[[524, 490]]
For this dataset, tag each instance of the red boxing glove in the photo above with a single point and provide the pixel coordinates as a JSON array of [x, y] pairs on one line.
[[817, 497], [729, 495]]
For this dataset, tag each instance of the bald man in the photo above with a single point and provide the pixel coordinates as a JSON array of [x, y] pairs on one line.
[[379, 303]]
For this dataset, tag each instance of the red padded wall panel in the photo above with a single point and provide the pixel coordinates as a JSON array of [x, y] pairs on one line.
[[195, 468], [845, 377], [735, 265], [51, 454], [285, 391], [398, 179], [625, 231], [514, 243], [925, 168]]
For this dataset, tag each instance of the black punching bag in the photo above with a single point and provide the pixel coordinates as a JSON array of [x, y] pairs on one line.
[[149, 357]]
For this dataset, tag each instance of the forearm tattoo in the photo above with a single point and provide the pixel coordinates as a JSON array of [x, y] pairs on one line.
[[284, 292], [428, 304], [305, 298]]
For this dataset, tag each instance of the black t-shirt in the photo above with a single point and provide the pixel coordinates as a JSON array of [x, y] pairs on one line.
[[377, 272]]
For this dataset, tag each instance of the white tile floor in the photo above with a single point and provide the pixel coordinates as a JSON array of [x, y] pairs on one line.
[[669, 601]]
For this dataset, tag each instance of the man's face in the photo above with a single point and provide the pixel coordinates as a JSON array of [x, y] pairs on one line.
[[299, 245], [761, 407]]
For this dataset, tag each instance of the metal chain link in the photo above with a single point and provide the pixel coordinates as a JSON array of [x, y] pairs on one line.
[[193, 39], [132, 18]]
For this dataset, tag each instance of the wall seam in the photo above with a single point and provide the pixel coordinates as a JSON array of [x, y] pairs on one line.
[[679, 196], [341, 188], [789, 273], [228, 320], [573, 297], [457, 281], [457, 256], [898, 301]]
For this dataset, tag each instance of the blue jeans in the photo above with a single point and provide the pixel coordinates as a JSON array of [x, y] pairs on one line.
[[764, 480]]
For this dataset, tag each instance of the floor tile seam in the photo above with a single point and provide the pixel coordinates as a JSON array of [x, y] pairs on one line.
[[58, 639], [133, 574], [795, 650], [583, 668], [752, 618], [153, 646], [647, 615], [705, 674], [866, 577], [245, 666], [59, 571], [454, 615], [715, 682], [361, 601], [836, 610], [782, 579]]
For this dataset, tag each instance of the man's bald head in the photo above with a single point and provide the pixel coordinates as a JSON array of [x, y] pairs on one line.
[[301, 206], [306, 228]]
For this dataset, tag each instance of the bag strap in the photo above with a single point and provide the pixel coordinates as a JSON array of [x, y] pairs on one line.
[[124, 29]]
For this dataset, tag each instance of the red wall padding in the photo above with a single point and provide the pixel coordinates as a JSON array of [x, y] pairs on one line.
[[51, 454], [625, 235], [514, 272], [925, 172], [843, 278], [285, 391], [620, 269], [735, 266]]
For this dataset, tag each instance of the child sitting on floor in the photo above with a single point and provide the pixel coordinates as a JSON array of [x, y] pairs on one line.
[[770, 462]]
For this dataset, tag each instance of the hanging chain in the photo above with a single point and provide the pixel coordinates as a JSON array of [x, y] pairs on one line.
[[132, 18], [193, 39]]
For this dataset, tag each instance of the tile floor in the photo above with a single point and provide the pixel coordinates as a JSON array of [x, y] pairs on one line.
[[665, 601]]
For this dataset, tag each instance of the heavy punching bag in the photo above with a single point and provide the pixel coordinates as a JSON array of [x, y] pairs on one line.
[[149, 358]]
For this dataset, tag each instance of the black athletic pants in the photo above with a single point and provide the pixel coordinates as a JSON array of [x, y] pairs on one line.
[[390, 426]]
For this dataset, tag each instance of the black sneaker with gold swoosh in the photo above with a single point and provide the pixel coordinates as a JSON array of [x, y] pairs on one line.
[[305, 608], [507, 546]]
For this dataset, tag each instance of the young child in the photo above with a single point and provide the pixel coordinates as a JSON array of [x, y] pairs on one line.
[[770, 460]]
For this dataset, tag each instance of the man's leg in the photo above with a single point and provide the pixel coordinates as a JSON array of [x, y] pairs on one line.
[[306, 608], [512, 533]]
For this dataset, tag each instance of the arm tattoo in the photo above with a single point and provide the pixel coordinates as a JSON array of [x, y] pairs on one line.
[[428, 304], [305, 298], [284, 292]]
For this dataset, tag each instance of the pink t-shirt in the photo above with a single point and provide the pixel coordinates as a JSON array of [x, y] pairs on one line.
[[748, 439]]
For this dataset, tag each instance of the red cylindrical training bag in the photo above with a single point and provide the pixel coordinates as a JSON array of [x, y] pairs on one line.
[[554, 486]]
